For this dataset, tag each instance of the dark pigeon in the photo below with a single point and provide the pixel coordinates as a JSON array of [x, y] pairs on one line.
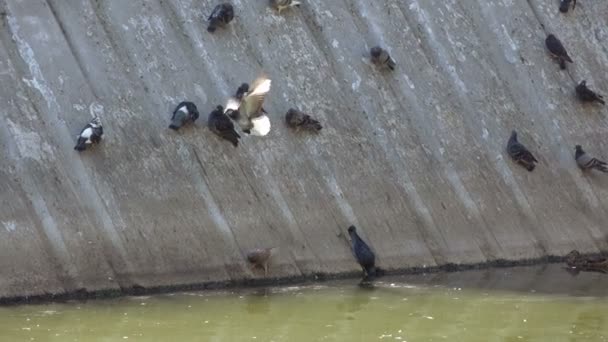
[[90, 134], [221, 125], [557, 50], [298, 120], [382, 58], [364, 255], [520, 153], [587, 95], [185, 112], [587, 162], [564, 5], [222, 15]]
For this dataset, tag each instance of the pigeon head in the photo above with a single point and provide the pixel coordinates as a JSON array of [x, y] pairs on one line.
[[513, 134], [583, 83], [96, 121], [220, 108], [242, 90], [376, 51], [578, 148], [352, 229]]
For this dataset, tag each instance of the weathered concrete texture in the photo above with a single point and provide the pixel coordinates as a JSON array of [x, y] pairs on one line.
[[414, 158]]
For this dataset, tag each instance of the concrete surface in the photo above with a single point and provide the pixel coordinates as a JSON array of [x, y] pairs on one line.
[[414, 158]]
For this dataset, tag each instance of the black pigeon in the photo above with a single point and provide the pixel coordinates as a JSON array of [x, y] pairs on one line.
[[557, 50], [298, 120], [587, 162], [520, 153], [381, 58], [587, 95], [564, 5], [185, 112], [90, 134], [222, 15], [221, 125], [365, 256]]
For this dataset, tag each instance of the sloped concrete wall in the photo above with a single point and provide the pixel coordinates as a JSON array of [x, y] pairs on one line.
[[414, 158]]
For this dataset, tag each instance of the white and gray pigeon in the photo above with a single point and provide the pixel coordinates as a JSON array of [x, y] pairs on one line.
[[184, 113], [247, 111], [280, 5], [587, 162], [90, 134]]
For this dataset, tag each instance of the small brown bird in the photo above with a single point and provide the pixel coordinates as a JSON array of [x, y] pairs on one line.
[[587, 95], [222, 15], [382, 58], [259, 257], [280, 5], [520, 153], [298, 120], [587, 162], [564, 5], [558, 50]]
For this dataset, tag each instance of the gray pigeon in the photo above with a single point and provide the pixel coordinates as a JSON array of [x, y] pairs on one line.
[[222, 15], [222, 126], [90, 134], [280, 5], [185, 112], [587, 95], [564, 5], [247, 111], [587, 162], [298, 120], [557, 50], [520, 153], [259, 257], [364, 255], [382, 58]]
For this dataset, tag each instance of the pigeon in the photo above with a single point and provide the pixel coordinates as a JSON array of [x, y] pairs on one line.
[[222, 15], [221, 125], [587, 162], [557, 50], [259, 257], [520, 153], [364, 255], [185, 112], [381, 58], [564, 5], [587, 95], [298, 120], [90, 134], [280, 5], [242, 91], [247, 111]]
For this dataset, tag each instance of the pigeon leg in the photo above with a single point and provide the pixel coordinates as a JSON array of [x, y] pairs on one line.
[[265, 269]]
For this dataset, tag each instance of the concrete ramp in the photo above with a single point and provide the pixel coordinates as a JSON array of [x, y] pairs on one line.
[[415, 158]]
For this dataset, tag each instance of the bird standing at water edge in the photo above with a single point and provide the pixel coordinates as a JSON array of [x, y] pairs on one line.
[[587, 95], [247, 111], [298, 120], [222, 15], [363, 253], [222, 126], [520, 153], [557, 50], [587, 162], [382, 58], [259, 257], [90, 134], [280, 5], [185, 112]]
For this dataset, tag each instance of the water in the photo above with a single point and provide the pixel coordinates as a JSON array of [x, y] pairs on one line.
[[517, 304]]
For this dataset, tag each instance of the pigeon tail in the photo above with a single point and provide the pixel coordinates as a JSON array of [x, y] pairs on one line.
[[81, 145], [312, 124], [211, 28], [564, 6], [529, 166], [174, 126], [599, 99], [233, 137], [391, 64]]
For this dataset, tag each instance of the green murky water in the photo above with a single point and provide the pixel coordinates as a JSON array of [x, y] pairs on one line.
[[518, 304]]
